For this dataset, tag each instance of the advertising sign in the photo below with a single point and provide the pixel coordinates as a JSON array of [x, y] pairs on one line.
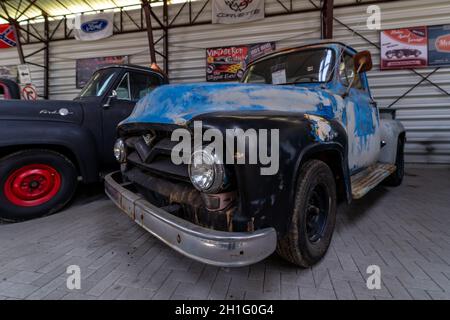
[[229, 63], [439, 45], [86, 67], [237, 11], [404, 48]]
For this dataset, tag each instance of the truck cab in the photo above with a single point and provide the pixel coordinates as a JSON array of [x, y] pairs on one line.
[[228, 173], [47, 146]]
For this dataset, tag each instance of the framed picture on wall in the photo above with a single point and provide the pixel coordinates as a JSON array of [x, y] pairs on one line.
[[439, 45], [404, 48], [86, 67]]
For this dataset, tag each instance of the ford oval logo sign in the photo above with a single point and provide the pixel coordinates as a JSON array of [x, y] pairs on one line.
[[94, 25]]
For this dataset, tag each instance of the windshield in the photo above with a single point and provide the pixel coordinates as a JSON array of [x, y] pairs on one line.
[[98, 83], [305, 66]]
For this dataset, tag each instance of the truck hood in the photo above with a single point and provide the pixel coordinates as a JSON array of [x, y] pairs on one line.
[[41, 110], [180, 103]]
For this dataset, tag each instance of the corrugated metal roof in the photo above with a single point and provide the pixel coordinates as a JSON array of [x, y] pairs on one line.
[[56, 8]]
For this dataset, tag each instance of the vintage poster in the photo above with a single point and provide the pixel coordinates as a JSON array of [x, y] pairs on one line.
[[86, 67], [229, 63], [439, 45], [404, 48]]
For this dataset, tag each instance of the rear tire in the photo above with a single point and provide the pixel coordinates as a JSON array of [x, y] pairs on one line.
[[313, 217], [34, 183], [396, 178]]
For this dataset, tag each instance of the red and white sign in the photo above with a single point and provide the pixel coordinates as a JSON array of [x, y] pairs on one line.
[[7, 36], [443, 43], [29, 92], [404, 48]]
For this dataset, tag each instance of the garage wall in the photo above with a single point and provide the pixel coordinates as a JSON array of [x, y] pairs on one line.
[[425, 112]]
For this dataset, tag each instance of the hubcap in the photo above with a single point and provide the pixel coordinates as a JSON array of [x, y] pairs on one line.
[[317, 213], [32, 185]]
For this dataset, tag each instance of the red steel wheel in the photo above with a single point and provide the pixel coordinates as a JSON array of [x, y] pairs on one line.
[[32, 185]]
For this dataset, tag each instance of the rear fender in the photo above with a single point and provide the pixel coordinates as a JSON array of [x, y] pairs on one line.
[[391, 130]]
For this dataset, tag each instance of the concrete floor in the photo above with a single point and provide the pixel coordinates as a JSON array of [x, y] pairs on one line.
[[405, 231]]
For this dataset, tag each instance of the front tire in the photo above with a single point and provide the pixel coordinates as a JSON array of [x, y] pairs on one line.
[[313, 217], [35, 183]]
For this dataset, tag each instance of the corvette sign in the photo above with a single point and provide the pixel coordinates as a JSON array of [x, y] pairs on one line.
[[236, 11]]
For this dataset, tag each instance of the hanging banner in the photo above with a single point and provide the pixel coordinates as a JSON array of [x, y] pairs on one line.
[[404, 48], [86, 67], [7, 36], [93, 26], [439, 45], [229, 63], [237, 11]]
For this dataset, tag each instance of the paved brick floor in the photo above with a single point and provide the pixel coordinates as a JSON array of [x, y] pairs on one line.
[[405, 231]]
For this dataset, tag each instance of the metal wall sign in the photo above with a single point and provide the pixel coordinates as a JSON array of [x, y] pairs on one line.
[[404, 48], [229, 63], [439, 45], [24, 74], [237, 11]]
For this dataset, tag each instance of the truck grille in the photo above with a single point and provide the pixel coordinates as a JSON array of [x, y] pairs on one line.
[[153, 155]]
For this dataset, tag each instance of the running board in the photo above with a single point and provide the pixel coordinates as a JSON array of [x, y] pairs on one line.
[[369, 178]]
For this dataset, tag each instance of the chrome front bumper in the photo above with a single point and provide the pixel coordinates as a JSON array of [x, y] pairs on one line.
[[219, 248]]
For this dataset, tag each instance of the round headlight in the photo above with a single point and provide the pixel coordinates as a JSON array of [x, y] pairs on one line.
[[120, 152], [206, 171]]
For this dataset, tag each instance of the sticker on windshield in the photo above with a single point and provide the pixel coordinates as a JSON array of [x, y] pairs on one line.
[[279, 77]]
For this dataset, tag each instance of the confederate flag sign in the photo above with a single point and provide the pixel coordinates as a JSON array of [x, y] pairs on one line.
[[7, 36]]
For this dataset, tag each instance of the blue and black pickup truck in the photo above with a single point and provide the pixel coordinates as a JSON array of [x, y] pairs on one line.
[[329, 142], [47, 146]]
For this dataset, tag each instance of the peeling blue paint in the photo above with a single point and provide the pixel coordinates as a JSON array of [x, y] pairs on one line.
[[180, 103]]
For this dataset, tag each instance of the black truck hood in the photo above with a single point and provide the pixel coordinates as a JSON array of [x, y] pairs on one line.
[[41, 110]]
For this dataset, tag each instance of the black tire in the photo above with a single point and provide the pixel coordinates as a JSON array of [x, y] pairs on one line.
[[61, 191], [299, 245], [396, 178], [13, 88]]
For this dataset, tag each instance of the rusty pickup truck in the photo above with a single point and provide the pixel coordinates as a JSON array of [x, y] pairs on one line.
[[306, 113]]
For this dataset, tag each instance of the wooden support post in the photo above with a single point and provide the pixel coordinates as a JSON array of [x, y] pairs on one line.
[[166, 37], [46, 57], [327, 19], [148, 21], [15, 26]]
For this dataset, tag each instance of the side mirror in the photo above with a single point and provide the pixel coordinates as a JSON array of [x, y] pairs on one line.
[[110, 98], [363, 61]]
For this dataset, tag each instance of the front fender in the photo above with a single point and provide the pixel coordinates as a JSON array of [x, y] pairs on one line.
[[70, 136], [267, 200]]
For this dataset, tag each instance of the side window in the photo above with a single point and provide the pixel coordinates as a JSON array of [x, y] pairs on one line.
[[347, 72], [123, 89], [141, 84]]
